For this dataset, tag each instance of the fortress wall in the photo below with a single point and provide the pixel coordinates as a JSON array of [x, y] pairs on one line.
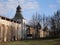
[[9, 31]]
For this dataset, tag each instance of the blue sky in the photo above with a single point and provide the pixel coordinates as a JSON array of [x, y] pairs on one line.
[[29, 7]]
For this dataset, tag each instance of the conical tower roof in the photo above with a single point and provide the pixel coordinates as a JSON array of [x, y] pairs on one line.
[[18, 14]]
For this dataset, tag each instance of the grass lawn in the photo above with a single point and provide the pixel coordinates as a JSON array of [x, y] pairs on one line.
[[33, 42]]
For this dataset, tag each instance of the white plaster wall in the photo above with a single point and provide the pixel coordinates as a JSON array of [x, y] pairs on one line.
[[24, 28], [15, 25], [41, 33], [19, 31], [5, 22]]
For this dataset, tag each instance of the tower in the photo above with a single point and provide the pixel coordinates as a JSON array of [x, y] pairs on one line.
[[18, 16]]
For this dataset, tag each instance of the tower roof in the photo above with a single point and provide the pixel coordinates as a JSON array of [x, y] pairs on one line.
[[18, 14], [18, 7]]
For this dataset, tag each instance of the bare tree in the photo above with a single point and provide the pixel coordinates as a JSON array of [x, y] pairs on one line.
[[35, 22], [55, 22]]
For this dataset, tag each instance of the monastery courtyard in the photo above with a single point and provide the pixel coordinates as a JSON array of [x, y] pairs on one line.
[[33, 42]]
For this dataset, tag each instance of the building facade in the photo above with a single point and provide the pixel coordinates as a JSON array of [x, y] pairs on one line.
[[34, 34]]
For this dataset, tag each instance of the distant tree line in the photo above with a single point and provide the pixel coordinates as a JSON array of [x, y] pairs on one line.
[[55, 23], [51, 23]]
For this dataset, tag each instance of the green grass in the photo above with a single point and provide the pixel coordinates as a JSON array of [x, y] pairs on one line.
[[33, 42]]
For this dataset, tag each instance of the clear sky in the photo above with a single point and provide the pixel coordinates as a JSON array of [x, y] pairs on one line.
[[29, 7]]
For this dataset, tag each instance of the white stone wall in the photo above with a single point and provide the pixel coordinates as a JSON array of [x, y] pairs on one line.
[[5, 22], [41, 33], [9, 30], [44, 34], [19, 31], [24, 28]]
